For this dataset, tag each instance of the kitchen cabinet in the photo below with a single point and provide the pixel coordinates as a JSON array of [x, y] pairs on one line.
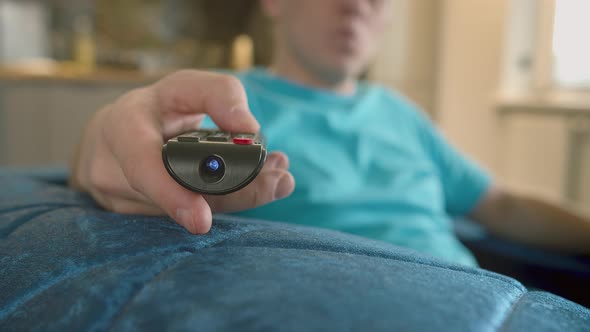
[[41, 120]]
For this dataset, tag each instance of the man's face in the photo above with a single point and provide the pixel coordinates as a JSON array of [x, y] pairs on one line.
[[336, 38]]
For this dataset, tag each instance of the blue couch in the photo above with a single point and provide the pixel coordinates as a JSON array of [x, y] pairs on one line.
[[68, 265]]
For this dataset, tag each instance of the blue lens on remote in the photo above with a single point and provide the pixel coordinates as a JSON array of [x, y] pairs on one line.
[[212, 169], [213, 165]]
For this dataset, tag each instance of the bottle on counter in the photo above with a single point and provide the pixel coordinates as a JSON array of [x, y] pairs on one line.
[[242, 56], [84, 44]]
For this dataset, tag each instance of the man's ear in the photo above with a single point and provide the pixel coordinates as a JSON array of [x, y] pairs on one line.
[[272, 8]]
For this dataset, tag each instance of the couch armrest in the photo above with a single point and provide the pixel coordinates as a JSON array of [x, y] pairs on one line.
[[565, 275]]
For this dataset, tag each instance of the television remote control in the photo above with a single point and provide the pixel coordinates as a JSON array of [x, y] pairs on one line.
[[214, 162]]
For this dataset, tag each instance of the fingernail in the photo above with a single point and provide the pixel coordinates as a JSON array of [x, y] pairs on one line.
[[184, 217], [281, 163], [238, 108], [277, 162], [283, 188], [271, 162]]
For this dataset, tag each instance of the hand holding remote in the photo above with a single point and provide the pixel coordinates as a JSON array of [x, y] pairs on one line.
[[119, 160]]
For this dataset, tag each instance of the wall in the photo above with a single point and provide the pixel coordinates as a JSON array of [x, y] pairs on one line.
[[447, 56], [470, 66], [407, 59]]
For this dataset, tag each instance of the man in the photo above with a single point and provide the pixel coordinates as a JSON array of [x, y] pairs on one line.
[[365, 160]]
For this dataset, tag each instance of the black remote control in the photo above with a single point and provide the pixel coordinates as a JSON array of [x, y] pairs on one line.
[[214, 162]]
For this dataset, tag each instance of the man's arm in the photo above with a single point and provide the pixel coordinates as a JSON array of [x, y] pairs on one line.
[[534, 222]]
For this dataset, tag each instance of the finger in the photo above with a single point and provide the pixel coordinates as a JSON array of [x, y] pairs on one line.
[[151, 178], [222, 97], [105, 175], [126, 206], [277, 160], [139, 154], [175, 124], [271, 184], [134, 207], [187, 208]]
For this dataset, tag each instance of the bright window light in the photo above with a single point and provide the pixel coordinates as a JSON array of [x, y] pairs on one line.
[[571, 43]]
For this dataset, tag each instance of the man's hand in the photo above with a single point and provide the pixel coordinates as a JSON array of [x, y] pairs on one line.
[[119, 160]]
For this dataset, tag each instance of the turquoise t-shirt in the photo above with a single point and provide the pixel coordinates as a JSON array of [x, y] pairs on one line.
[[370, 164]]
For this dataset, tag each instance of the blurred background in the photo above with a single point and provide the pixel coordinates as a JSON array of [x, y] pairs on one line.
[[508, 81]]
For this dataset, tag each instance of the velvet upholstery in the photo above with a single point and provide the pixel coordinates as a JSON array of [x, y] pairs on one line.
[[68, 265]]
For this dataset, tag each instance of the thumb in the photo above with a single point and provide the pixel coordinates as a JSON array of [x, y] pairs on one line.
[[220, 96]]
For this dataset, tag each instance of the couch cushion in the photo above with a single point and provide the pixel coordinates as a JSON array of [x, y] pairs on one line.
[[68, 265]]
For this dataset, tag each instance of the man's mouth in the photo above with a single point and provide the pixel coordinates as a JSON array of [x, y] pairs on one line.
[[349, 38]]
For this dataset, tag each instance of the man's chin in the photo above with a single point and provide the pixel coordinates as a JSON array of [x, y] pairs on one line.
[[344, 71]]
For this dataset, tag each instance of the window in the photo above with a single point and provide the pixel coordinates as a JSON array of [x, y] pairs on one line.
[[571, 48], [547, 52]]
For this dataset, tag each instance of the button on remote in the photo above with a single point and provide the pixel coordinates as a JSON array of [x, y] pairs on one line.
[[218, 137], [192, 137], [243, 139]]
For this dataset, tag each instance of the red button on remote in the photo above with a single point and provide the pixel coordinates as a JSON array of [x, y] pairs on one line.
[[243, 140]]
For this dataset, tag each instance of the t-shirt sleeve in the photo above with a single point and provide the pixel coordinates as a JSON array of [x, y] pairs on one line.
[[464, 182]]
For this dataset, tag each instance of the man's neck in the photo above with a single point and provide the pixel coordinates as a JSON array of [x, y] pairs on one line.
[[289, 68]]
